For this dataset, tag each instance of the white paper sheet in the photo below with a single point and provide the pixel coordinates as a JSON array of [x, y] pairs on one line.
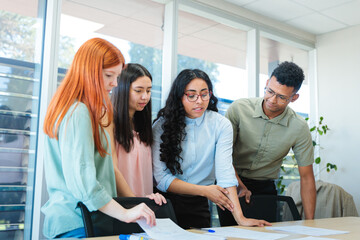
[[308, 230], [314, 238], [244, 233], [166, 229]]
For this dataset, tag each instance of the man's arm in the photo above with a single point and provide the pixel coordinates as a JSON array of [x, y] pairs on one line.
[[308, 190], [242, 189]]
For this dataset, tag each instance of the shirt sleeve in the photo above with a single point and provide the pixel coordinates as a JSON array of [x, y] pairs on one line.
[[233, 120], [77, 150], [162, 175], [224, 170], [303, 148]]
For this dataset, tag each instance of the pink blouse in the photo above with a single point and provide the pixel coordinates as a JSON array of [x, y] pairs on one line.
[[136, 167]]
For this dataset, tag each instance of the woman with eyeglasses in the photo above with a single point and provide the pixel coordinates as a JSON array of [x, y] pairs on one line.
[[192, 153]]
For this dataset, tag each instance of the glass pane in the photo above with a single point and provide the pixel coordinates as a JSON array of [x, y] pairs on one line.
[[135, 27], [20, 41], [11, 234], [271, 54], [13, 217], [16, 85], [218, 50]]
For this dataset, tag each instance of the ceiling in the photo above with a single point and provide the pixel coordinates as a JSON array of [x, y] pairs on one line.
[[141, 21], [313, 16]]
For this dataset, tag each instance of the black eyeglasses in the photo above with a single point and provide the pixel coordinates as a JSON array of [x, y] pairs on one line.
[[269, 93], [193, 97]]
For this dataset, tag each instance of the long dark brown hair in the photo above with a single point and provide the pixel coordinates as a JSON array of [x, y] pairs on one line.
[[174, 118], [123, 131]]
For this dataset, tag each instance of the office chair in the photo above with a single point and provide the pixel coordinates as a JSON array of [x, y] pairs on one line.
[[99, 224], [267, 207]]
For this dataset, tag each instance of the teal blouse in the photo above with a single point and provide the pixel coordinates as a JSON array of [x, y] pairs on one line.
[[74, 172]]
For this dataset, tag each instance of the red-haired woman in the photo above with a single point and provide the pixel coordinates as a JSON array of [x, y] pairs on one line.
[[78, 162]]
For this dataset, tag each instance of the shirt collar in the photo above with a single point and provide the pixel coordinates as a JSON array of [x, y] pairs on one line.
[[282, 119], [196, 121]]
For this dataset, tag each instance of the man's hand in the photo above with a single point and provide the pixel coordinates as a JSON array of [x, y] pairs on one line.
[[242, 189], [245, 192]]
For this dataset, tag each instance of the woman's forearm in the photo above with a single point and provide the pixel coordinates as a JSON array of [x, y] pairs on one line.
[[180, 187], [237, 212]]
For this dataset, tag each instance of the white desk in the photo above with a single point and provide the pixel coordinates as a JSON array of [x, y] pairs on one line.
[[351, 224]]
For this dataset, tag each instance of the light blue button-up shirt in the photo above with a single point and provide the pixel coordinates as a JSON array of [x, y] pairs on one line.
[[206, 153], [75, 172]]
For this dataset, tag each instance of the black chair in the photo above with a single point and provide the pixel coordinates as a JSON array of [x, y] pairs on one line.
[[268, 207], [99, 224]]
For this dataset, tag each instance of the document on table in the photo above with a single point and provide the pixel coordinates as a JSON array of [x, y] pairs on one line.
[[314, 238], [244, 233], [166, 229], [307, 230]]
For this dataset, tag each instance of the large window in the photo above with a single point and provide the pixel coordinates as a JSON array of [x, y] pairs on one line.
[[135, 27], [20, 59], [217, 49]]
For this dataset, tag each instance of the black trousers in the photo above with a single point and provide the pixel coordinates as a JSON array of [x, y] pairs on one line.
[[190, 211], [260, 187]]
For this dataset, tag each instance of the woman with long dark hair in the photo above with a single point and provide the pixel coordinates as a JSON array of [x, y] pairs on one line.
[[132, 130], [78, 162], [192, 151]]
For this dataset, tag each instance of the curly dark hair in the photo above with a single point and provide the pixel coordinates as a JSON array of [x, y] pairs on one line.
[[174, 118], [123, 131], [289, 74]]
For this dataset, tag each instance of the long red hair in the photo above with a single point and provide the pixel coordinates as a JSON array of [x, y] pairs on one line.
[[84, 83]]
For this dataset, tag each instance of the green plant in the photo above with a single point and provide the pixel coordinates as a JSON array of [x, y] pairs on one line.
[[316, 131]]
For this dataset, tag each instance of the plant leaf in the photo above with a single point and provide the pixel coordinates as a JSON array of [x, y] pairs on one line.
[[324, 129]]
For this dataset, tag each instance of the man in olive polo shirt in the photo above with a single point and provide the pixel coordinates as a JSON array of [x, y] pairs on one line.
[[265, 129]]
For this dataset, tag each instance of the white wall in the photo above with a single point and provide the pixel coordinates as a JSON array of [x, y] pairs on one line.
[[339, 98]]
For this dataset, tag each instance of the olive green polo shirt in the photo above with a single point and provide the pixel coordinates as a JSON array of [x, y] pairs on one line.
[[261, 143]]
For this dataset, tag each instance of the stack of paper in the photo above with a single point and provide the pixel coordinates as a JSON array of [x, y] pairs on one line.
[[166, 229], [243, 233], [307, 230]]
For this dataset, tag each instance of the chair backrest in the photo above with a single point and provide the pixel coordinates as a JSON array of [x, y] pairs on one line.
[[331, 200], [99, 224], [267, 207]]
